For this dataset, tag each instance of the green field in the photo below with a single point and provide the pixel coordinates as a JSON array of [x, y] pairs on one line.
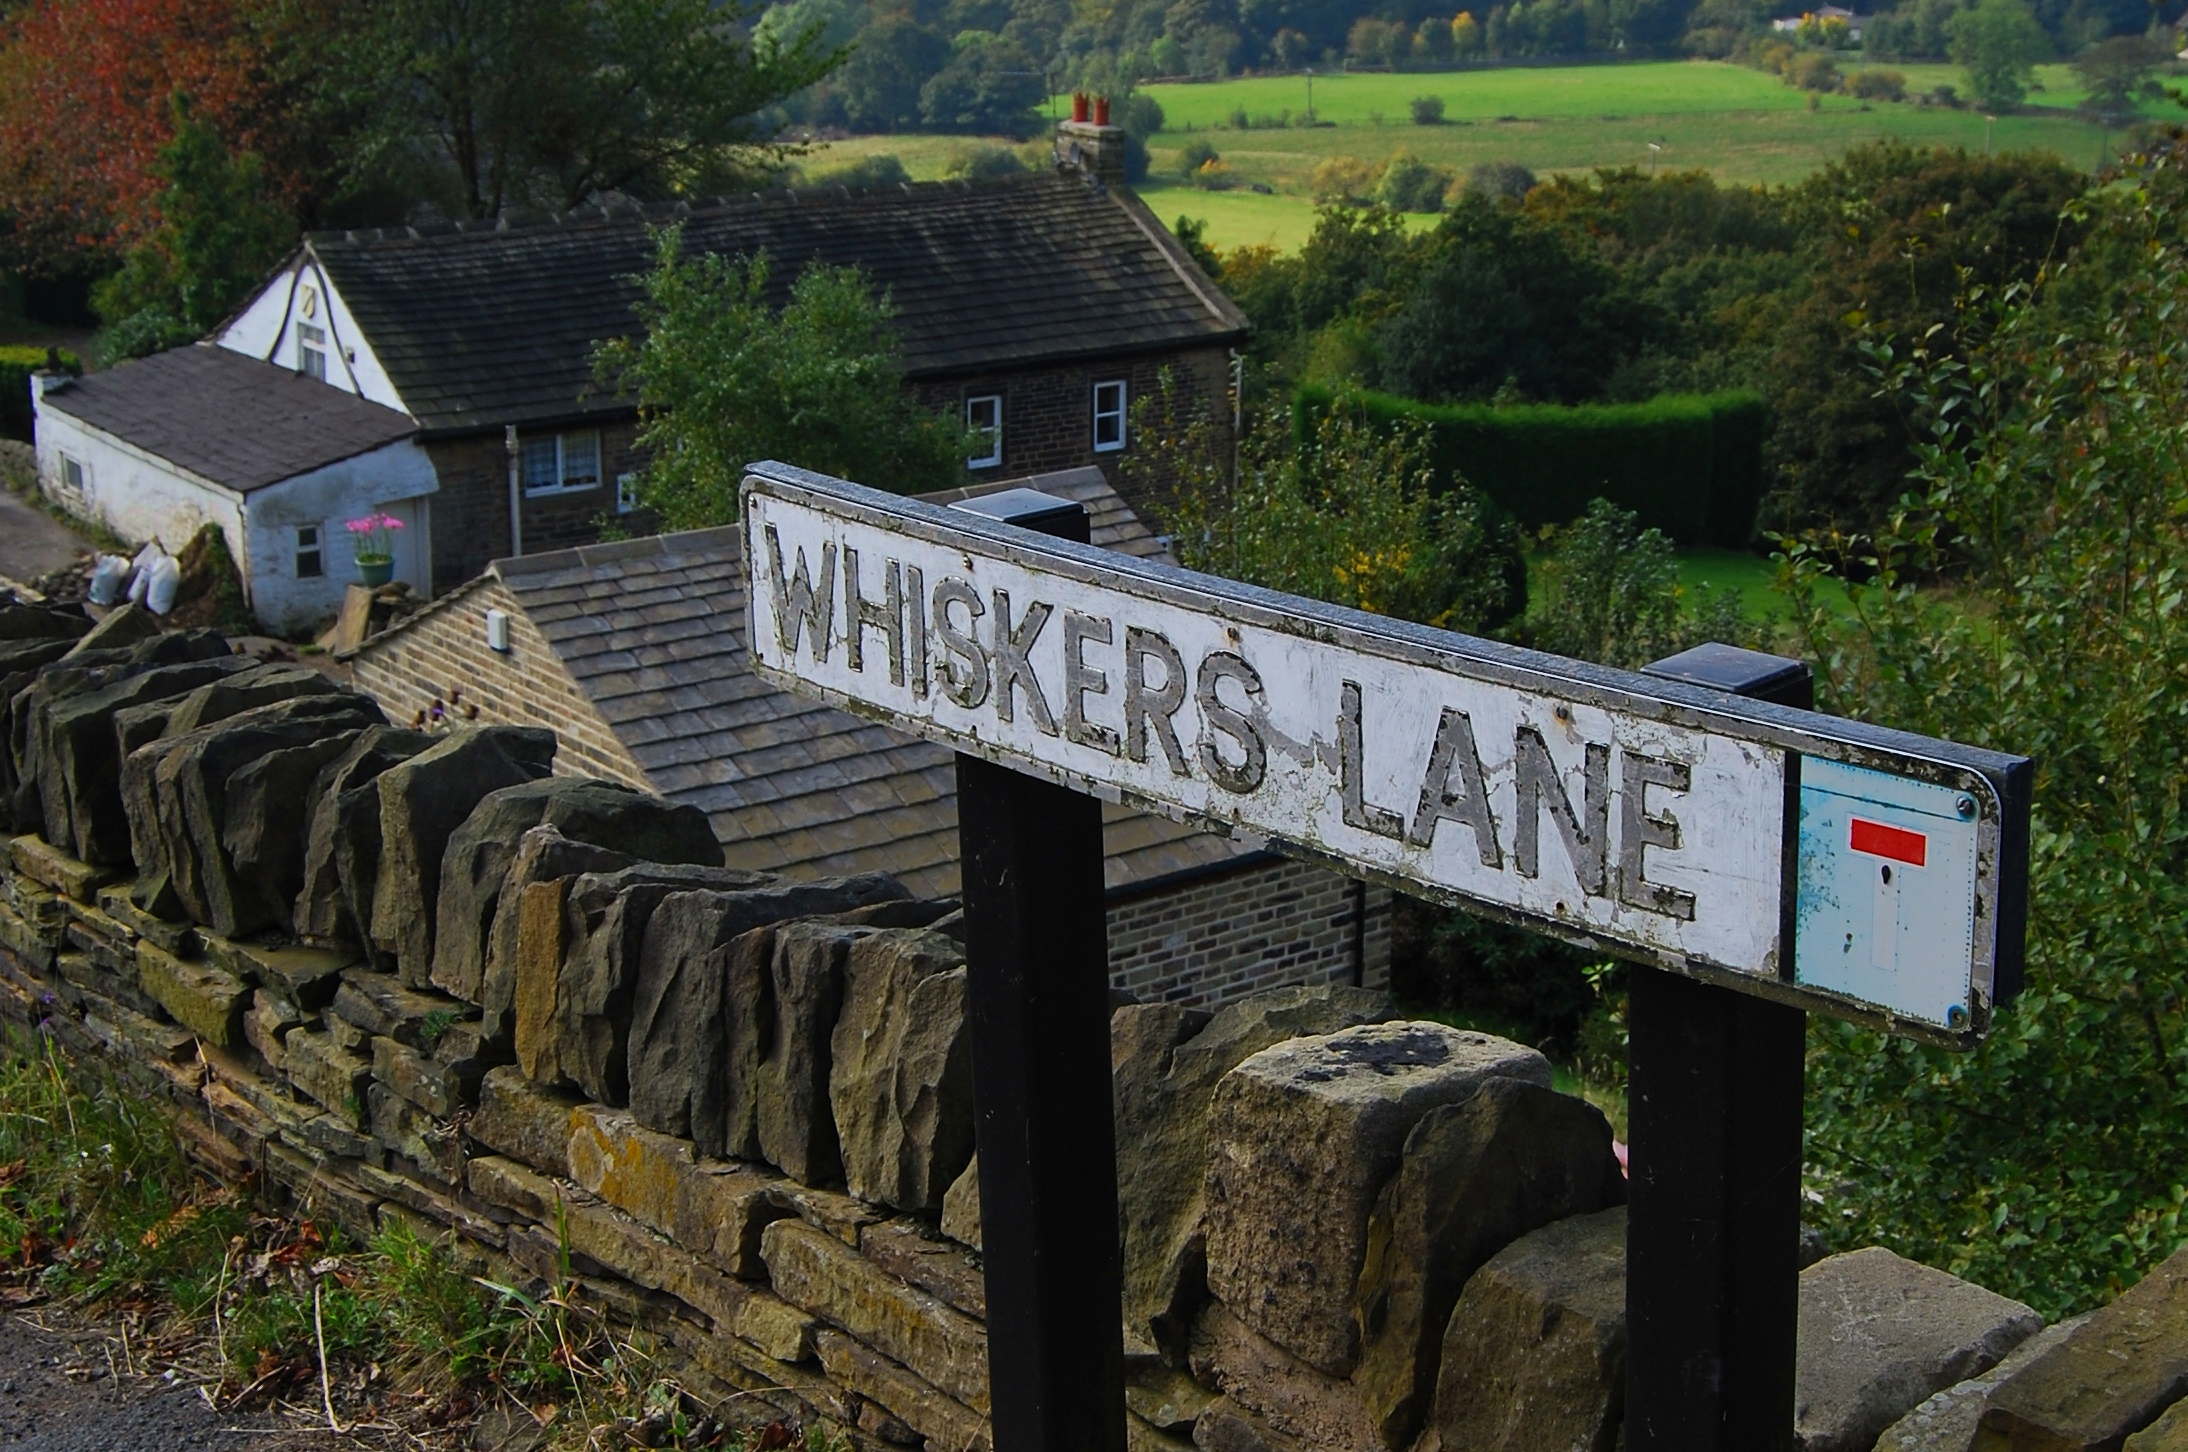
[[1739, 123]]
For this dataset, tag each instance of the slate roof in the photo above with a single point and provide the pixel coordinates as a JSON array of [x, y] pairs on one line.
[[486, 324], [227, 417], [653, 632]]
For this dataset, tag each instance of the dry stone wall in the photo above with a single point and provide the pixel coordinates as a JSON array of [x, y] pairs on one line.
[[390, 976]]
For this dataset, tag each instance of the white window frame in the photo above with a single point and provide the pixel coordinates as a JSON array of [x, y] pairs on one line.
[[75, 475], [311, 543], [992, 432], [626, 493], [311, 351], [1110, 399], [561, 472]]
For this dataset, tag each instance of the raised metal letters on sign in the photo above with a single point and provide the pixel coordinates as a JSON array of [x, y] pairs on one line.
[[1642, 815]]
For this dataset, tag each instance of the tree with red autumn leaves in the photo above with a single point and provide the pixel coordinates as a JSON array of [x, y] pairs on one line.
[[86, 105]]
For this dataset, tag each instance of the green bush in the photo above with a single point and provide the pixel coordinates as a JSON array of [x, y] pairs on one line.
[[1687, 464], [16, 366]]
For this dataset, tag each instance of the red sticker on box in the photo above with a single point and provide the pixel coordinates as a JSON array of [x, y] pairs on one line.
[[1897, 843]]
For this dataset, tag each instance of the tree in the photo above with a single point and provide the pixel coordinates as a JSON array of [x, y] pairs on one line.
[[2049, 484], [990, 85], [731, 370], [2117, 73], [529, 102], [85, 87], [891, 59], [216, 235], [1998, 44]]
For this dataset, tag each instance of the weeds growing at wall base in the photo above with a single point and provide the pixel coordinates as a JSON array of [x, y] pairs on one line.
[[100, 1213]]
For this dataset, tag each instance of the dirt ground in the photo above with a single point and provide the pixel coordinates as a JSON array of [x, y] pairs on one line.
[[70, 1386], [32, 541]]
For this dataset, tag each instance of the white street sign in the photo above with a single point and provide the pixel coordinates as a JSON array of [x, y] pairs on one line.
[[1659, 820]]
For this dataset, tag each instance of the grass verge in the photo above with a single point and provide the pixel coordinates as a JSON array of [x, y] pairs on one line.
[[101, 1213]]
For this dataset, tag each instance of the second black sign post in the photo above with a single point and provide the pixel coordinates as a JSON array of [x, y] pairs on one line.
[[1037, 961], [1713, 1098]]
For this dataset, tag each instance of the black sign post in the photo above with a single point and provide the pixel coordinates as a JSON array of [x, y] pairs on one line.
[[1713, 1098], [1037, 959]]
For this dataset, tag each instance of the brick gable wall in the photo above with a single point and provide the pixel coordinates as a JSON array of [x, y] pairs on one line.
[[446, 651], [471, 512], [1215, 937]]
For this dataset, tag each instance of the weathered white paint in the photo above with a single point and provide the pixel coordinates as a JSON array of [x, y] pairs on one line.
[[141, 496], [1607, 807], [265, 328]]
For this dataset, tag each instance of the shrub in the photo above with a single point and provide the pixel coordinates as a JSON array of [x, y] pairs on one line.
[[1195, 154], [1878, 85], [1409, 184], [1427, 110], [16, 366], [1342, 179], [1500, 179], [1814, 71], [1609, 592], [879, 170], [1689, 465], [983, 161]]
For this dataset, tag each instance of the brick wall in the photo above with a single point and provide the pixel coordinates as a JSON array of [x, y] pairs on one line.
[[1048, 415], [445, 650], [1209, 939], [471, 512]]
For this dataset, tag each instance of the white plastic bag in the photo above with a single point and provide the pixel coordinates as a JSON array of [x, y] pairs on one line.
[[141, 580], [164, 578], [109, 575]]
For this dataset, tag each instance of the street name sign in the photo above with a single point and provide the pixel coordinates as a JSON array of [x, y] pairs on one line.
[[1835, 866]]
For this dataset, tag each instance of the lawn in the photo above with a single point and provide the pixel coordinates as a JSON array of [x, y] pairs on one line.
[[1739, 123]]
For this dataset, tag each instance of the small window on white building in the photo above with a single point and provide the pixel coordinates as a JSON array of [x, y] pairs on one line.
[[72, 475], [984, 416], [626, 493], [311, 351], [561, 463], [1109, 416], [311, 559]]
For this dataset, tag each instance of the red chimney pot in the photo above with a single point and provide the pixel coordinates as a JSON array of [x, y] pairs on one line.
[[1078, 106], [1101, 110]]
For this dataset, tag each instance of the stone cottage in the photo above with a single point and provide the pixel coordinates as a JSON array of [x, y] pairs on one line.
[[635, 654], [1039, 308]]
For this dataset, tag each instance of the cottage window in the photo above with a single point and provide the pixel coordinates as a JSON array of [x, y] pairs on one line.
[[561, 463], [72, 475], [311, 560], [626, 493], [1109, 416], [311, 351], [984, 416]]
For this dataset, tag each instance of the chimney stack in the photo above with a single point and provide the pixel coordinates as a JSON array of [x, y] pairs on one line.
[[1092, 144]]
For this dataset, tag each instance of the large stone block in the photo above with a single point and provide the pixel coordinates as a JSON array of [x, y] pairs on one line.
[[1947, 1421], [335, 1077], [1319, 1410], [269, 809], [683, 1004], [1476, 1175], [821, 1274], [43, 863], [961, 1206], [935, 1416], [2168, 1433], [1301, 1139], [797, 1129], [1165, 1062], [607, 917], [202, 998], [188, 785], [342, 836], [900, 1071], [422, 802], [479, 852], [80, 776], [1879, 1335], [1534, 1357], [908, 1250], [520, 1119], [378, 1003], [2113, 1376], [543, 855], [636, 1170]]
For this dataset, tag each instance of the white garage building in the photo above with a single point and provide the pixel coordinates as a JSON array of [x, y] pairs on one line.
[[277, 459]]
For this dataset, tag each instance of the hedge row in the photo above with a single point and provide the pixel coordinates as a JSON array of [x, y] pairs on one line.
[[1688, 464], [16, 366]]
